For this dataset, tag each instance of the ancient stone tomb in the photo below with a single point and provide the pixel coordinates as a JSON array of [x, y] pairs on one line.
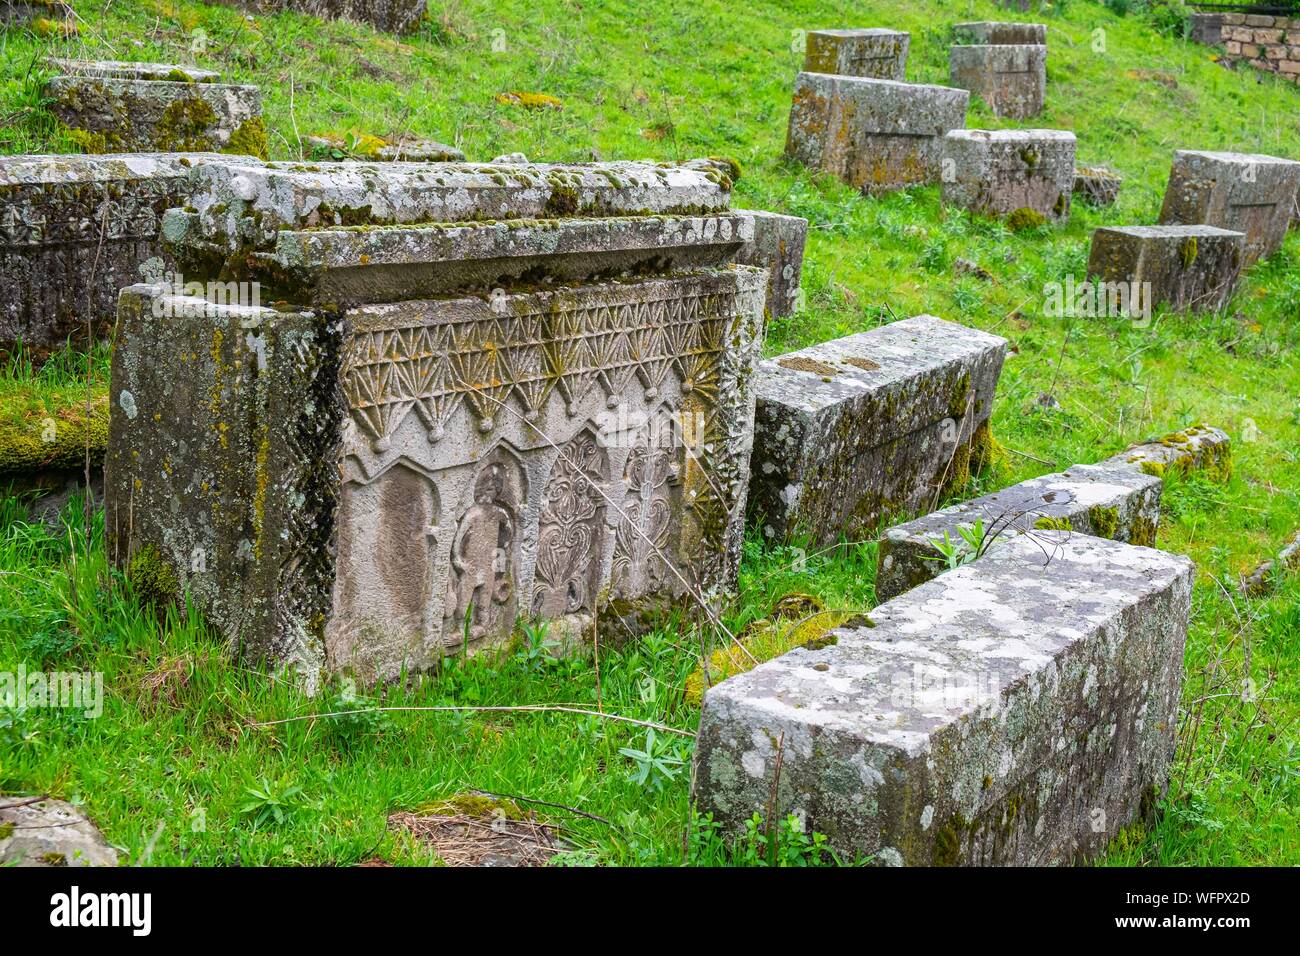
[[1187, 268], [997, 172], [876, 53], [112, 106], [1244, 192], [869, 426], [777, 245], [1010, 78], [483, 393], [877, 135]]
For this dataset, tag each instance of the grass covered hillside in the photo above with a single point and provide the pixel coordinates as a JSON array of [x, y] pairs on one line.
[[188, 763]]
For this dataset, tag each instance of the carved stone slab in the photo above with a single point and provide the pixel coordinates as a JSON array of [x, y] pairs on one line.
[[875, 53], [1188, 268], [1020, 710], [1117, 502], [1246, 192], [1010, 79], [996, 172], [868, 426], [777, 245], [876, 135]]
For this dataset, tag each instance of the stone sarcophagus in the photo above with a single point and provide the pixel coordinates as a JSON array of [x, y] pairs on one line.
[[875, 53], [73, 231], [1187, 268], [1010, 78], [877, 135], [484, 394], [1243, 192]]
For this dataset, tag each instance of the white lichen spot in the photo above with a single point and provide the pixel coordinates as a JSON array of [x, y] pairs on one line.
[[126, 401], [927, 817]]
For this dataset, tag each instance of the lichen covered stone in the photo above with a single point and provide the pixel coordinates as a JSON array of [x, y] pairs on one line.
[[1187, 268], [777, 245], [1010, 78], [874, 53], [997, 172]]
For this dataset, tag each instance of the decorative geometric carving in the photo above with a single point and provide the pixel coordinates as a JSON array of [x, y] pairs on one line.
[[571, 530]]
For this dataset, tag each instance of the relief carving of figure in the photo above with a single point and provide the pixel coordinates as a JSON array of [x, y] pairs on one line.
[[483, 561]]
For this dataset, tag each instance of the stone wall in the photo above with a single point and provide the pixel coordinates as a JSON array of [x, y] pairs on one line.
[[1263, 41]]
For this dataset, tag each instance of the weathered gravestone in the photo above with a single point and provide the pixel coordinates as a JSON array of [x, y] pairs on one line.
[[1020, 710], [1010, 78], [996, 172], [1116, 502], [73, 231], [488, 392], [1098, 185], [777, 245], [870, 426], [877, 54], [1189, 268], [993, 33], [876, 135], [393, 16], [117, 107], [1245, 192]]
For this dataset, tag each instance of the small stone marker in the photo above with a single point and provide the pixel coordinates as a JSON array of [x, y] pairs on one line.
[[869, 426], [877, 135], [1098, 185], [73, 231], [1202, 448], [1010, 79], [992, 33], [49, 833], [1119, 503], [1020, 710], [1245, 192], [112, 106], [778, 247], [1189, 268], [877, 54], [996, 172], [517, 391]]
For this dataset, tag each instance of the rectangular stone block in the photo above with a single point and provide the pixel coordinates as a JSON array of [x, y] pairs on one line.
[[1119, 502], [1010, 79], [870, 426], [1098, 185], [371, 482], [877, 135], [1188, 268], [115, 107], [1245, 192], [1207, 28], [1020, 710], [877, 54], [992, 33], [777, 245], [996, 172], [1202, 448], [76, 229]]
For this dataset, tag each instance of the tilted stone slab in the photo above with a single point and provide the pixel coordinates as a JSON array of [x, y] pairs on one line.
[[1244, 192], [1118, 502], [1010, 79], [1020, 710], [875, 53], [76, 229], [994, 33], [112, 114], [1099, 185], [133, 70], [777, 245], [1202, 448], [876, 135], [1188, 268], [996, 172], [869, 426]]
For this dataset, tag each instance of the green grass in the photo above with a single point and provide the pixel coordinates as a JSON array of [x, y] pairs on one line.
[[671, 82]]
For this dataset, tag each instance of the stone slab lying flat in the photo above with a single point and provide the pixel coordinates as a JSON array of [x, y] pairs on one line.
[[57, 278], [133, 70], [776, 245], [110, 114], [869, 426], [50, 833], [409, 149], [1187, 268], [995, 33], [996, 172], [1119, 503], [1020, 710], [1010, 78], [875, 53], [1244, 192], [1099, 185], [876, 135], [1202, 448]]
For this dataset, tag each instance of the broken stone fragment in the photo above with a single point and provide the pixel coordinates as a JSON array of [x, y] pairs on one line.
[[776, 245], [1187, 268], [1244, 192], [49, 833], [134, 70], [1260, 581], [1116, 502], [1020, 710], [874, 53], [869, 426], [876, 135], [1200, 448], [1099, 185], [1010, 78], [997, 172], [411, 149]]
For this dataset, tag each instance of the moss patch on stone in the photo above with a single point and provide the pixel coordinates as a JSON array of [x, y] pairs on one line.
[[44, 429], [249, 139], [152, 578], [1025, 218]]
